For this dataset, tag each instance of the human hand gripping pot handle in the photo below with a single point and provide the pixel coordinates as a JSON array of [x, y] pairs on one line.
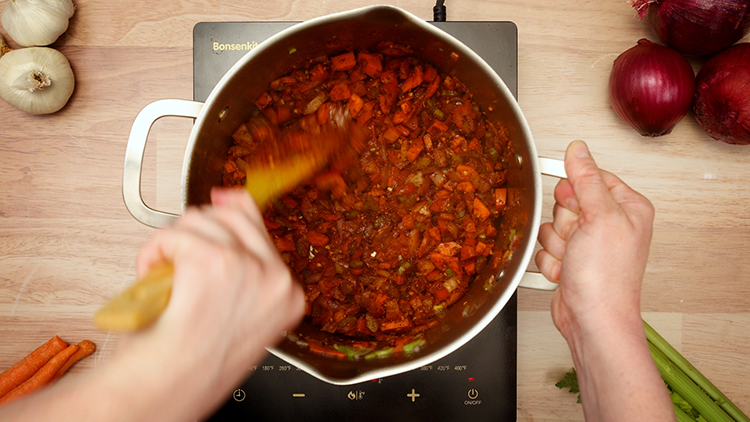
[[596, 247]]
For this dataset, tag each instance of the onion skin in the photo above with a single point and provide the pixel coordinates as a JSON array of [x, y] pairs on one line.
[[722, 96], [696, 27], [651, 88]]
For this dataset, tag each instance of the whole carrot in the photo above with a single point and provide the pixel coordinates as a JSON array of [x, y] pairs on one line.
[[85, 348], [28, 366], [42, 377]]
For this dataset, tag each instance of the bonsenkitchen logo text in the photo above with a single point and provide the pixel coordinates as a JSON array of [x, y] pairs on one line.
[[247, 46]]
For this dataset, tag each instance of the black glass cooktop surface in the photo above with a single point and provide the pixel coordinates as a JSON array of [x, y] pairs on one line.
[[475, 383]]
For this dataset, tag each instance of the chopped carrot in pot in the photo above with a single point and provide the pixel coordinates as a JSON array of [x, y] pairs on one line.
[[385, 244], [344, 61]]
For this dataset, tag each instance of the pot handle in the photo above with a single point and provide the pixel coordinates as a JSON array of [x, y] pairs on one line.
[[131, 173], [534, 280]]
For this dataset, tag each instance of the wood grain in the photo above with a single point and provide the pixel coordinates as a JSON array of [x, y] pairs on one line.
[[67, 243]]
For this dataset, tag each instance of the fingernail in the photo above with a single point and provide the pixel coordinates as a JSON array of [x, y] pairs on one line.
[[581, 150], [572, 204]]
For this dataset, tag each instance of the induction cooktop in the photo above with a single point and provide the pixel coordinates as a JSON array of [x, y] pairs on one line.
[[475, 383]]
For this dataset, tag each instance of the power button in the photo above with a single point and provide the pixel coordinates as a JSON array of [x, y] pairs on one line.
[[473, 396]]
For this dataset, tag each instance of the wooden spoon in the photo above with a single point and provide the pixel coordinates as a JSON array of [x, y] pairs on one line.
[[274, 171]]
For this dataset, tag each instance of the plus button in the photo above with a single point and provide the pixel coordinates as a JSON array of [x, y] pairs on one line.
[[413, 395]]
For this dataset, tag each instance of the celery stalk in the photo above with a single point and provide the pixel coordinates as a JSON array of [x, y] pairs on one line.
[[681, 415], [414, 345], [686, 388], [680, 362]]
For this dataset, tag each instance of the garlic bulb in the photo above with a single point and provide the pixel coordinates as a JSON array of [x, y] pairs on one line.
[[37, 80], [4, 47], [36, 22]]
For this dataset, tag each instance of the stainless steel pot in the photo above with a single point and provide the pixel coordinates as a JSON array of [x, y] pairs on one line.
[[232, 101]]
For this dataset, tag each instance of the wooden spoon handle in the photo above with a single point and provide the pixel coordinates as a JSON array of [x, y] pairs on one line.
[[140, 305]]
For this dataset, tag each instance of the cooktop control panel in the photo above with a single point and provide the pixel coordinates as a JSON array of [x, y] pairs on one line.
[[475, 383]]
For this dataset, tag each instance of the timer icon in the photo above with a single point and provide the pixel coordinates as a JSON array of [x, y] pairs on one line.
[[239, 394]]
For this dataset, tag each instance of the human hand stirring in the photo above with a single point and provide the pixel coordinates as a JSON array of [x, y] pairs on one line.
[[286, 158], [232, 297]]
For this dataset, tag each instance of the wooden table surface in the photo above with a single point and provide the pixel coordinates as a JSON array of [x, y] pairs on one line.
[[67, 243]]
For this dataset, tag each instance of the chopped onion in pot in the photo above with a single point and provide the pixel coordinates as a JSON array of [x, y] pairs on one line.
[[722, 96]]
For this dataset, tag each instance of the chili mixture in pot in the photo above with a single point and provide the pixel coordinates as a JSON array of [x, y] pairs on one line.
[[383, 245]]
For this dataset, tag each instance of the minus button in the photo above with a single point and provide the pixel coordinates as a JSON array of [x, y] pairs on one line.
[[298, 395]]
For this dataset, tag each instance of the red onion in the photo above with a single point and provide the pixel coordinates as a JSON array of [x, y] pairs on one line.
[[651, 88], [697, 27], [722, 95]]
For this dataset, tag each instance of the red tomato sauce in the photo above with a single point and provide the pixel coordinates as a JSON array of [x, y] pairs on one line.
[[384, 245]]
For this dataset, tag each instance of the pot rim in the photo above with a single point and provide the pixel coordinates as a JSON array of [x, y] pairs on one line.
[[535, 211]]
